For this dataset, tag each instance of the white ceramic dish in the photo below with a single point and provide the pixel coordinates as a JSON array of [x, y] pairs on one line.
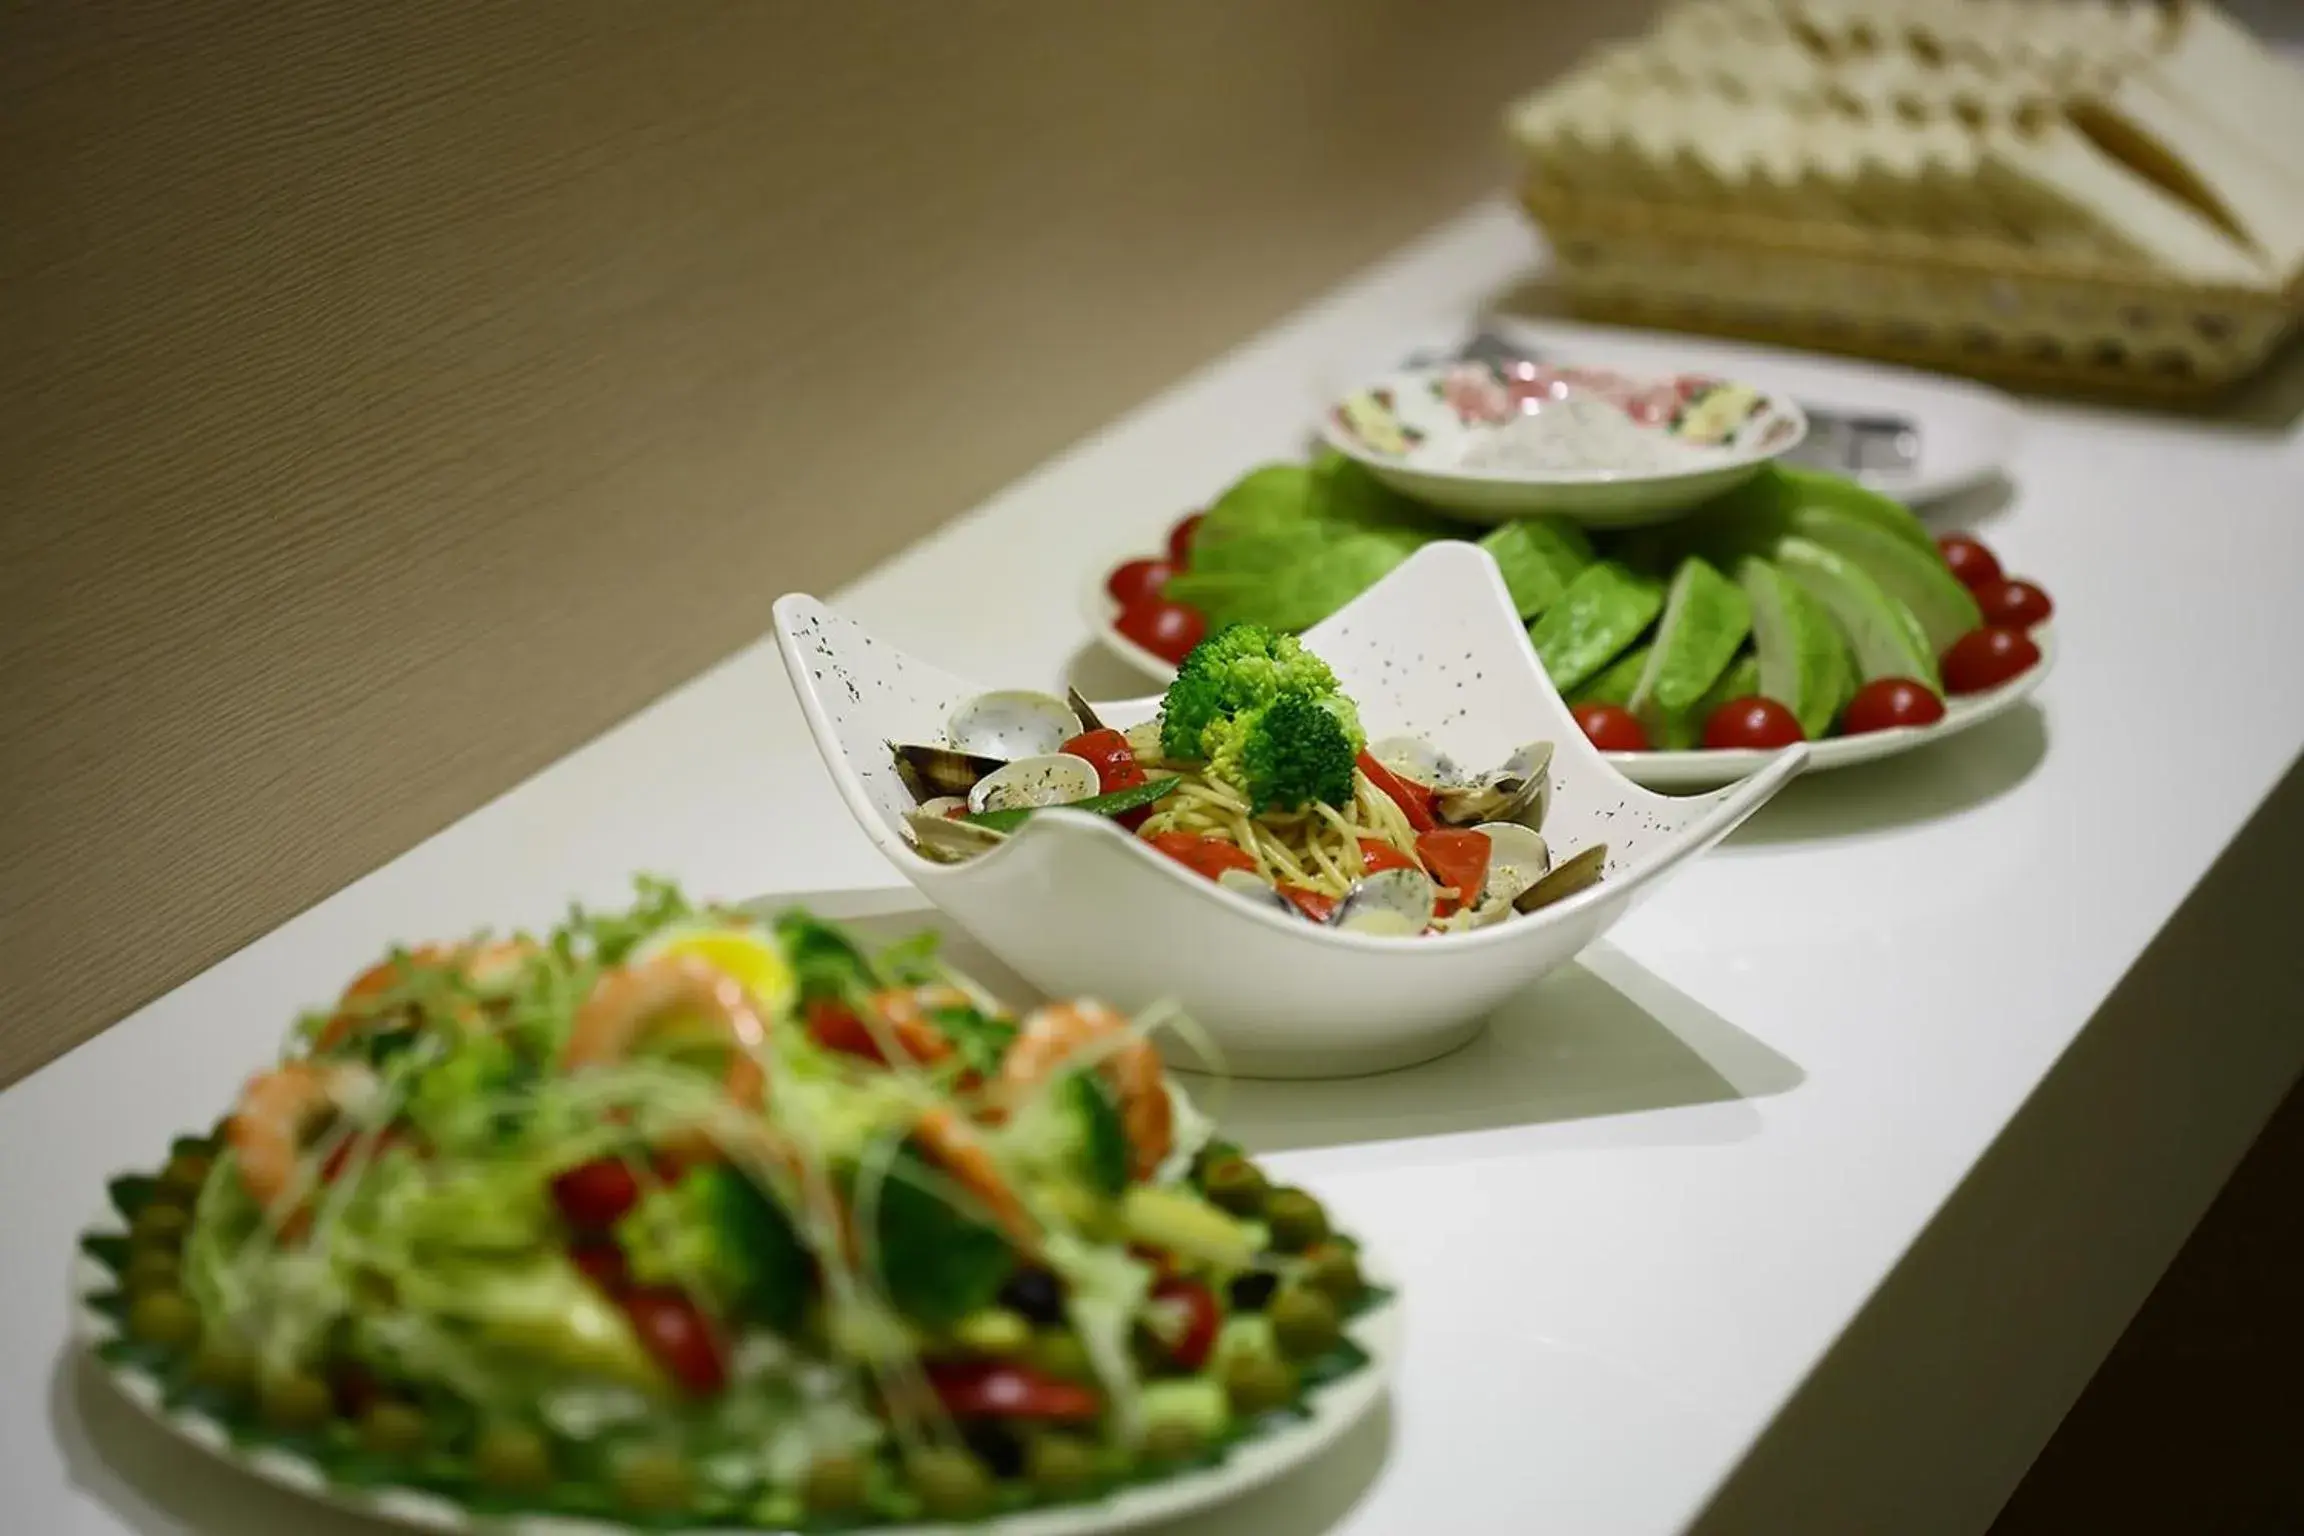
[[1698, 436], [1333, 1409], [1672, 772], [1077, 906], [1968, 432]]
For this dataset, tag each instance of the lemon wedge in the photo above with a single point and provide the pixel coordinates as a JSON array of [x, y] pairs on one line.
[[749, 955]]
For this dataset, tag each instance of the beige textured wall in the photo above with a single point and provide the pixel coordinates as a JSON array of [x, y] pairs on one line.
[[392, 396]]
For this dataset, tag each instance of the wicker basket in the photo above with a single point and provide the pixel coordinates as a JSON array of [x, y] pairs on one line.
[[1961, 305]]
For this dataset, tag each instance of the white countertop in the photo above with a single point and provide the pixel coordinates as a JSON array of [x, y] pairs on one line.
[[1628, 1222]]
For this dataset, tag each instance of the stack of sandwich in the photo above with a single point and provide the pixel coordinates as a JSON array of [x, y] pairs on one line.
[[2118, 134]]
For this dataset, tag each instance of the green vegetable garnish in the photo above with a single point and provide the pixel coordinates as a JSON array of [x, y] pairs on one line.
[[1136, 797], [1239, 667], [1289, 753], [716, 1232], [937, 1262]]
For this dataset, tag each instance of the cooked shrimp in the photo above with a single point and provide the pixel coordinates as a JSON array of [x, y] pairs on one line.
[[481, 965], [626, 1003], [1058, 1032], [905, 1010], [277, 1111], [952, 1144]]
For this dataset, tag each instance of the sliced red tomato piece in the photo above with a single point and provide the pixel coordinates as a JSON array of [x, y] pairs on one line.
[[1204, 856], [1414, 800], [1377, 854], [1116, 765], [594, 1196], [600, 1261], [1194, 1307], [1456, 857], [1310, 902], [1002, 1389], [676, 1331]]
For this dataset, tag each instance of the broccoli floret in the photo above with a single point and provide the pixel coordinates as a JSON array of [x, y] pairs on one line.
[[1286, 754], [717, 1232], [1239, 667], [1072, 1130], [937, 1262]]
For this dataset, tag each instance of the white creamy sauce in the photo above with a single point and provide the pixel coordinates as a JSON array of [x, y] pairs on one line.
[[1577, 433]]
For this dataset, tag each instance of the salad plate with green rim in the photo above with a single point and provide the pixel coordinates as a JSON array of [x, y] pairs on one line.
[[694, 1218]]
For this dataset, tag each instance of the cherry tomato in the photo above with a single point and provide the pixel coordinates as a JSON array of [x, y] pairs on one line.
[[1311, 903], [1002, 1389], [1168, 630], [1457, 858], [1986, 658], [1138, 581], [1888, 702], [1753, 724], [1414, 800], [601, 1262], [835, 1026], [1376, 855], [1194, 1306], [594, 1196], [1116, 765], [1207, 857], [1180, 541], [1611, 728], [2014, 604], [681, 1338], [1971, 562]]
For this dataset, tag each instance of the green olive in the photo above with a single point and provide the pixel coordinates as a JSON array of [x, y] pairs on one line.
[[1060, 1465], [160, 1224], [394, 1429], [1059, 1352], [512, 1458], [654, 1479], [223, 1365], [992, 1331], [1296, 1220], [1169, 1440], [1305, 1323], [165, 1318], [1256, 1383], [950, 1483], [151, 1269], [1234, 1184], [1335, 1272], [296, 1400], [836, 1484], [185, 1175]]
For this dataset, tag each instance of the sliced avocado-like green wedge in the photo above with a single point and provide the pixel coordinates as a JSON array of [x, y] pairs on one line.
[[1883, 634], [1539, 556], [1685, 731], [1706, 619], [1606, 608], [1801, 655], [1615, 683], [1914, 575]]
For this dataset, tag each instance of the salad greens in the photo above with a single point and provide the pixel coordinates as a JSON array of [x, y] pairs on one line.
[[677, 1216]]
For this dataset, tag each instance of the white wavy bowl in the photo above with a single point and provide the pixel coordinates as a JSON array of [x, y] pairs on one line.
[[1331, 1411], [1079, 907]]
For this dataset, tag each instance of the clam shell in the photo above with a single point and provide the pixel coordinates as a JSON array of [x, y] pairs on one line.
[[1257, 889], [1011, 723], [1057, 778], [1518, 857], [932, 773], [1518, 791], [1396, 903], [1084, 710], [1415, 757], [1565, 880], [946, 841]]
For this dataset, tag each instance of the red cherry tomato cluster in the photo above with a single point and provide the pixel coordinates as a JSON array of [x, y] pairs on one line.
[[592, 1197], [1167, 629], [1983, 659], [2003, 649]]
